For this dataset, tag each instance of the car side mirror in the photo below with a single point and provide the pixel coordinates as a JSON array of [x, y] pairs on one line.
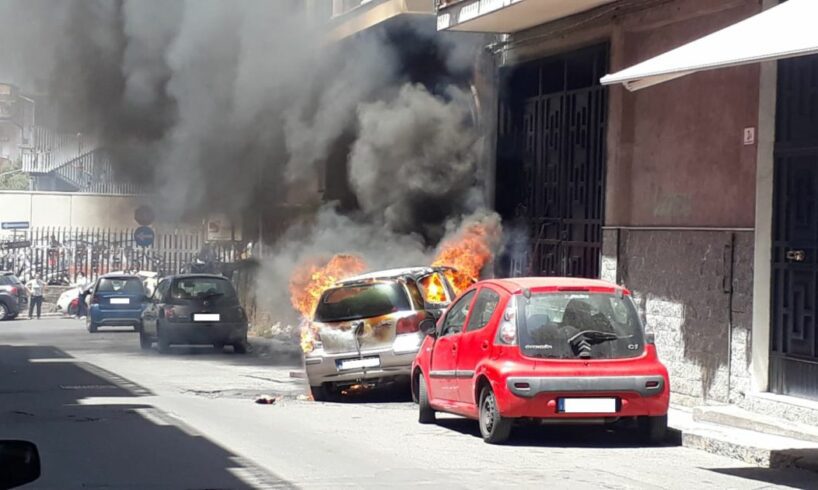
[[19, 463], [428, 326], [650, 338]]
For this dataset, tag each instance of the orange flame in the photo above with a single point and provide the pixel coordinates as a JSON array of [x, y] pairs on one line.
[[310, 280], [468, 251], [433, 289]]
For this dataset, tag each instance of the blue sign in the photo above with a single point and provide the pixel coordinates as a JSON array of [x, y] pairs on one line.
[[15, 225], [143, 236]]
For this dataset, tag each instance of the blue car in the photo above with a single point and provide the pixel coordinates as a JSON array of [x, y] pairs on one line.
[[116, 301]]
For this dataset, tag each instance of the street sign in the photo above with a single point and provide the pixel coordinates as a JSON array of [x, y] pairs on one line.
[[15, 225], [15, 245], [144, 215], [144, 236]]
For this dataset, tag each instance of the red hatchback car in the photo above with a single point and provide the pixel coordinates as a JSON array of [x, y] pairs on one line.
[[561, 350]]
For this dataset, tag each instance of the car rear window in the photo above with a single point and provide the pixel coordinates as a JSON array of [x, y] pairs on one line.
[[361, 301], [120, 284], [195, 288], [577, 324], [7, 279]]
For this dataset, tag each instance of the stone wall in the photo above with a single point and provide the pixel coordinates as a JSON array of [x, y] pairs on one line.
[[694, 291]]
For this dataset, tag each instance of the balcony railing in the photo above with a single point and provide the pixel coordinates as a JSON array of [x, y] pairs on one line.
[[50, 150]]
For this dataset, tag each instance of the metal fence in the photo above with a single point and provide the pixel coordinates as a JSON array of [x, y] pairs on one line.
[[64, 255]]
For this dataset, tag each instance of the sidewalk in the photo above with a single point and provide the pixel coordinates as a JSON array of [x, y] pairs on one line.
[[764, 449]]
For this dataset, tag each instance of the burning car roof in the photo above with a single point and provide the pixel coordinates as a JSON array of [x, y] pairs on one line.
[[411, 272]]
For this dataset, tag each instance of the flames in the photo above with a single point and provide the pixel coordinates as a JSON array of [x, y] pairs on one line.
[[309, 281], [433, 289], [468, 251]]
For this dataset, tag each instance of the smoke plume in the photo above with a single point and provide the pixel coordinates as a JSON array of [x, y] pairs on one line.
[[236, 107]]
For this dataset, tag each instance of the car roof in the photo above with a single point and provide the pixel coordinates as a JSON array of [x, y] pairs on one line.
[[192, 276], [516, 284], [114, 275], [6, 273], [412, 272]]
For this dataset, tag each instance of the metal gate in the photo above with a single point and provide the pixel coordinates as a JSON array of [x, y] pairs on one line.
[[64, 255], [552, 135], [794, 339]]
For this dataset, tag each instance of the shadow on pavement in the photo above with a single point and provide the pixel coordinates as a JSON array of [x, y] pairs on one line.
[[775, 476], [534, 435], [94, 429]]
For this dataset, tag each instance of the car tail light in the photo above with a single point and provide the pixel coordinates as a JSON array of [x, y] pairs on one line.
[[507, 333], [170, 313], [409, 324]]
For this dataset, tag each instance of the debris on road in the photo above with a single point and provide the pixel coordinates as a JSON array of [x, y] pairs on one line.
[[266, 400]]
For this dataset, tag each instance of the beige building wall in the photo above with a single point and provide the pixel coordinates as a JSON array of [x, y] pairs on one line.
[[62, 209]]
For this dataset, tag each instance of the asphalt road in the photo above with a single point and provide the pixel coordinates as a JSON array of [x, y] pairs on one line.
[[105, 414]]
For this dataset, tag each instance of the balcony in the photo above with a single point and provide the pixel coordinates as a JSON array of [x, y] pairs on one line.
[[506, 16], [350, 17]]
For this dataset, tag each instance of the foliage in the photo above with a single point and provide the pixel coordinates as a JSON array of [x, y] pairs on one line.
[[11, 177]]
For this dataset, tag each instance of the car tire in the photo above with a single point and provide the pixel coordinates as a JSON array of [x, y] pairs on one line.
[[494, 428], [241, 347], [145, 341], [426, 414], [162, 342], [218, 346], [319, 393], [653, 430], [4, 312], [92, 327]]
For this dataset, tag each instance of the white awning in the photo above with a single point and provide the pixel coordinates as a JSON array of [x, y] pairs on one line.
[[784, 31]]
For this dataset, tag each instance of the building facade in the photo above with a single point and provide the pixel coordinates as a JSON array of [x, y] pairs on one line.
[[695, 193]]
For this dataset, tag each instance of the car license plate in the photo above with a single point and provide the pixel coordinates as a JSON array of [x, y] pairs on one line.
[[120, 301], [206, 317], [586, 405], [359, 363]]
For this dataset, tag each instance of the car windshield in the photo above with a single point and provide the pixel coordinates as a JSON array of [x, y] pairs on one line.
[[195, 288], [579, 325], [361, 301], [120, 285]]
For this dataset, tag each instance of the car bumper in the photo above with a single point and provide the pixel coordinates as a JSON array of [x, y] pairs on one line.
[[539, 396], [323, 368], [116, 318], [204, 333]]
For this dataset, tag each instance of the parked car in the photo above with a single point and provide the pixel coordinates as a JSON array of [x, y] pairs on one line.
[[116, 300], [194, 309], [13, 296], [367, 328], [561, 350]]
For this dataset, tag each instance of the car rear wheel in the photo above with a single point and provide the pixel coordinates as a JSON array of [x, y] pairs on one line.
[[218, 346], [494, 428], [162, 342], [240, 347], [92, 327], [145, 341], [426, 414], [4, 311], [653, 430], [320, 393]]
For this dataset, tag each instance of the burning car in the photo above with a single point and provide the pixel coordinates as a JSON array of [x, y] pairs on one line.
[[365, 329]]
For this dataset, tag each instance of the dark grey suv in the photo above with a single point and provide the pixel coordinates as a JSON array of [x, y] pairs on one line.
[[192, 309], [13, 296]]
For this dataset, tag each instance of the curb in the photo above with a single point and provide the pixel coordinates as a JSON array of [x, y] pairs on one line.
[[755, 448]]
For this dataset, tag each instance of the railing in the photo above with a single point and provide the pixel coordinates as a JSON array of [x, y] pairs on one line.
[[64, 255], [340, 7], [51, 150], [92, 172]]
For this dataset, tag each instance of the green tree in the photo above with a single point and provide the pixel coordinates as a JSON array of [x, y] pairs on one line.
[[12, 178]]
